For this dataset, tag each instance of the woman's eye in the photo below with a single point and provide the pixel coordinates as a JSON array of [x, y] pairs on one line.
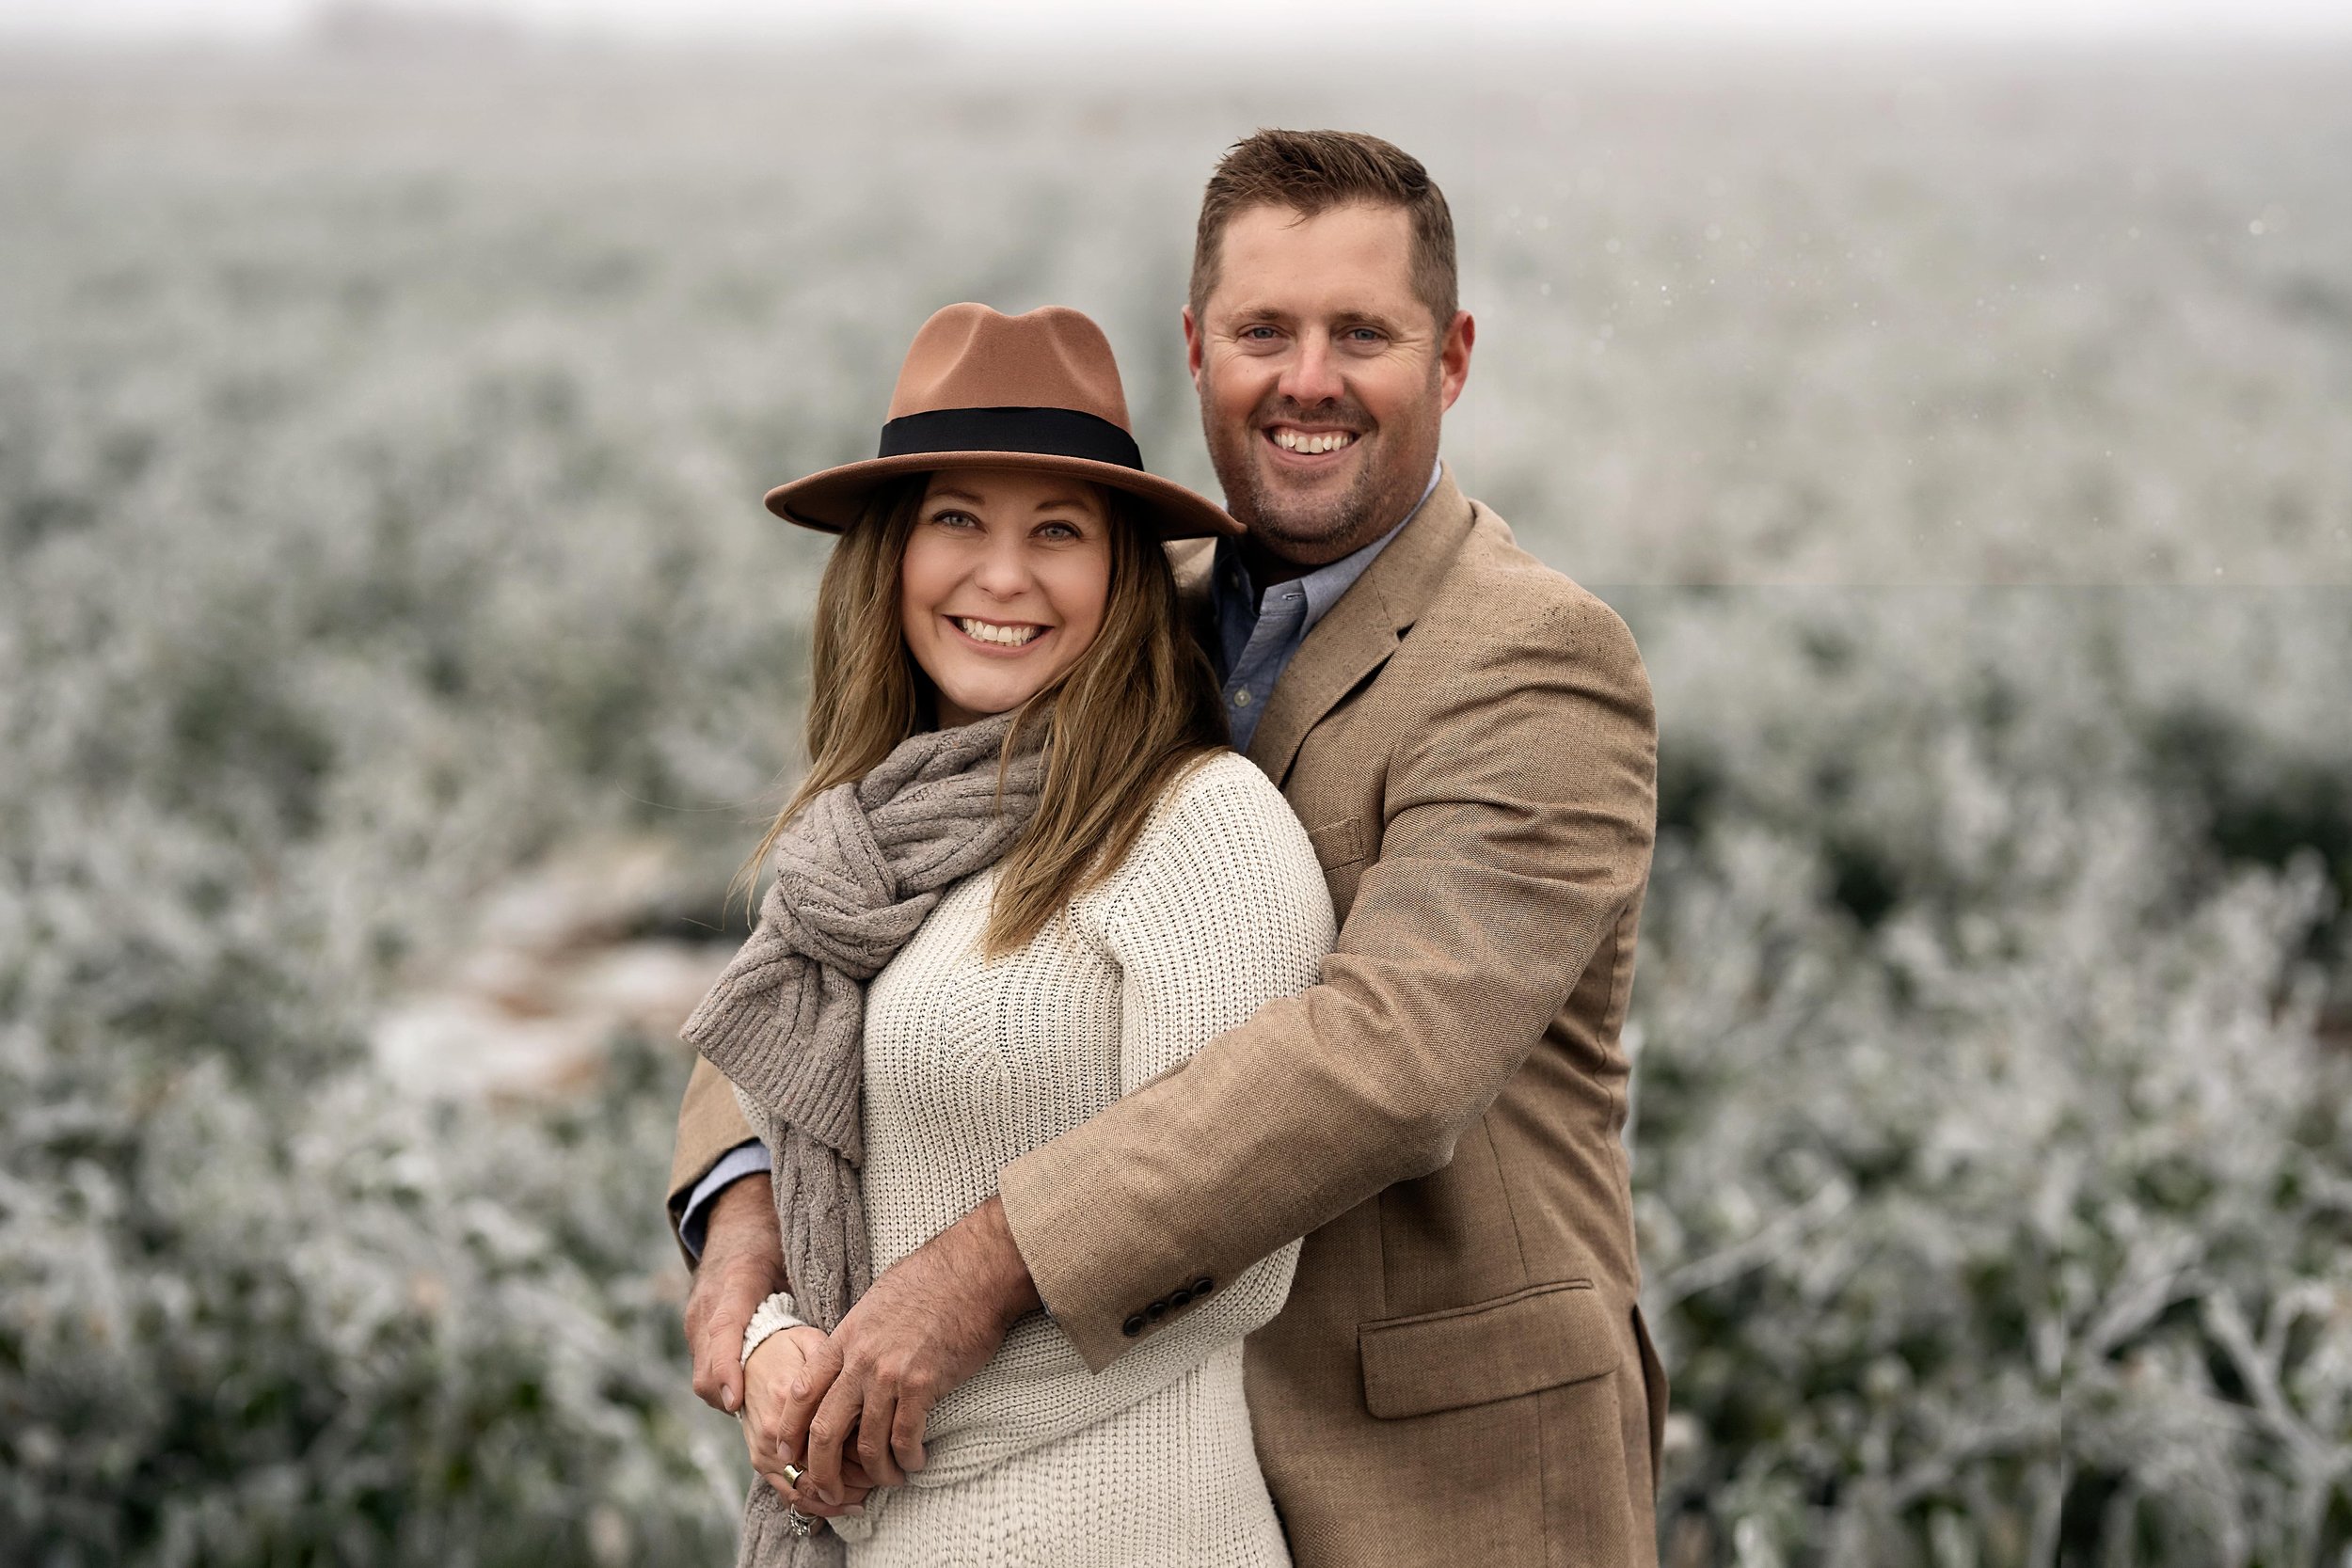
[[955, 519], [1058, 530]]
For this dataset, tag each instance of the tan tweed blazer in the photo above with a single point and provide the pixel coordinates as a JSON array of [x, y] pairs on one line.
[[1461, 1375]]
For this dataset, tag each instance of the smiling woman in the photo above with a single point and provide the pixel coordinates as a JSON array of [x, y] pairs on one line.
[[1004, 585], [1002, 547], [974, 592], [1021, 823]]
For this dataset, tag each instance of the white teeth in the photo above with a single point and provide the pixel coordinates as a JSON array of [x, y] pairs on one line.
[[1011, 637], [1291, 440]]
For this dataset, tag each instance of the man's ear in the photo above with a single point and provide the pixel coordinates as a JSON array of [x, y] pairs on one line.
[[1454, 356], [1192, 347]]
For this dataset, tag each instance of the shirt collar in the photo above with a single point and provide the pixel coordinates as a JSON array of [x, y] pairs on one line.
[[1325, 584]]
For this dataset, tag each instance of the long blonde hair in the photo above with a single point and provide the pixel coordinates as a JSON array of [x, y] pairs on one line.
[[1133, 711]]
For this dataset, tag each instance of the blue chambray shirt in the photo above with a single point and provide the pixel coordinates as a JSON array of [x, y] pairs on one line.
[[1258, 634], [1254, 647]]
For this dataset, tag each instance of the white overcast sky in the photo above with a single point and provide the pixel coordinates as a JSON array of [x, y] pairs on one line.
[[1358, 22]]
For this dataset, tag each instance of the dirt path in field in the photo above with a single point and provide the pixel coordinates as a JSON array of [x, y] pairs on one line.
[[564, 960]]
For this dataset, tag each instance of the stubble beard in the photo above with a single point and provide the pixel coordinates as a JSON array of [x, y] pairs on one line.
[[1317, 531]]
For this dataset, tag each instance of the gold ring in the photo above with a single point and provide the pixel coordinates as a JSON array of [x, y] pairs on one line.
[[792, 1474]]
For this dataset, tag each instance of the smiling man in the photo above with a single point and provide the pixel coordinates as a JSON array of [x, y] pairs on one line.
[[1321, 397], [1461, 1372]]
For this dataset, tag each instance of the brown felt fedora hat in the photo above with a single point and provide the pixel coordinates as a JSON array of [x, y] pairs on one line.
[[983, 389]]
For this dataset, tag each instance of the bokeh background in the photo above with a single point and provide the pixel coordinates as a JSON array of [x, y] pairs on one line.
[[396, 662]]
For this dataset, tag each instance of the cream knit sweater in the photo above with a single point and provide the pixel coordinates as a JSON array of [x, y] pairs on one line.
[[1036, 1462]]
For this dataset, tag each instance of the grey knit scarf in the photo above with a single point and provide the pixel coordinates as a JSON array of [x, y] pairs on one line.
[[856, 873]]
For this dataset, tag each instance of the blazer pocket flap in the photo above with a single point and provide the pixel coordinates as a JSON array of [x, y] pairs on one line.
[[1338, 843], [1538, 1337]]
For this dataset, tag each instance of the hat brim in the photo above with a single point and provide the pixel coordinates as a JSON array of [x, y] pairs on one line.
[[831, 502]]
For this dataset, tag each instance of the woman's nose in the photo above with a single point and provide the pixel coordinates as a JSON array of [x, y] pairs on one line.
[[1003, 570]]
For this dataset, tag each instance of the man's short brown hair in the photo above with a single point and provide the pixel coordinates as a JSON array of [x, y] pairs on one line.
[[1311, 171]]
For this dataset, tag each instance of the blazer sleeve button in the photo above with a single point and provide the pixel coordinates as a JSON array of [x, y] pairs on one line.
[[1132, 1327], [1157, 1311], [1181, 1298], [1203, 1286]]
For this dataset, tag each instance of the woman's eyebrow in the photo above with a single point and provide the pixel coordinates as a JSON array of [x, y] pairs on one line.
[[964, 495]]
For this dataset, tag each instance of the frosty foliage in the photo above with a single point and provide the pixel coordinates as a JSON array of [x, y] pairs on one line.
[[1993, 1191], [379, 454]]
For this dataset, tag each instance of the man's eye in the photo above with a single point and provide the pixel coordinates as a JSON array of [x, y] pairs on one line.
[[1258, 334], [1363, 335]]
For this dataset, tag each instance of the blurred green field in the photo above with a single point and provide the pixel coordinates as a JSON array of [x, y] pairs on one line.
[[1966, 438]]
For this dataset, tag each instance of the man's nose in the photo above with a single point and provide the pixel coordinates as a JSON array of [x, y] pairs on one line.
[[1312, 374]]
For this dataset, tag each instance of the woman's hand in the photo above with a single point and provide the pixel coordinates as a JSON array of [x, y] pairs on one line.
[[773, 1414]]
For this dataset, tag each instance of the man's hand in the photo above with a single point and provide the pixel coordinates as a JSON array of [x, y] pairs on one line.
[[771, 1407], [743, 1265], [931, 1321]]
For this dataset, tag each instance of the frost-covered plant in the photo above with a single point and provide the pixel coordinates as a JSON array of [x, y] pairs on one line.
[[1994, 1184], [255, 1304], [245, 1325]]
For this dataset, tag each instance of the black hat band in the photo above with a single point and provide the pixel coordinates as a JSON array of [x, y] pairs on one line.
[[1045, 432]]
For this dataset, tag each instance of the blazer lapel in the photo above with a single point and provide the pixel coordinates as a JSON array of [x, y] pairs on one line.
[[1362, 629]]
